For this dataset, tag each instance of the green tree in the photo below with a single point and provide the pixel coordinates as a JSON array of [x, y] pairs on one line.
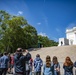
[[11, 31], [16, 32], [4, 17], [46, 42], [30, 36]]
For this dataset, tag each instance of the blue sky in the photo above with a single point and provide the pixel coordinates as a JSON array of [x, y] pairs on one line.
[[50, 17]]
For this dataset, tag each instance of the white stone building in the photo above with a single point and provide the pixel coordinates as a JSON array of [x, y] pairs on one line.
[[63, 41], [70, 37]]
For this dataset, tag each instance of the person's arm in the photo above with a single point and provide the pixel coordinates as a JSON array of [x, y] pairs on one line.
[[27, 56], [35, 64], [58, 67], [41, 63], [43, 69], [63, 66], [70, 67], [75, 64]]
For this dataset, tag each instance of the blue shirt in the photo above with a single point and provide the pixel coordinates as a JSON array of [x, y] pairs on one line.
[[4, 61], [47, 70], [38, 64]]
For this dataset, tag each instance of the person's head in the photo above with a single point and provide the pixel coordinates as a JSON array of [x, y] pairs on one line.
[[55, 60], [19, 51], [48, 61], [1, 54], [5, 53], [13, 54], [38, 55], [68, 61]]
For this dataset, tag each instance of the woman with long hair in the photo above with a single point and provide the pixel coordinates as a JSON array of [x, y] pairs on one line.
[[68, 66], [47, 68], [56, 66]]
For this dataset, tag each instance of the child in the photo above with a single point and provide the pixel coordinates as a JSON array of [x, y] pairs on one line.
[[37, 65], [56, 66], [68, 66], [47, 68]]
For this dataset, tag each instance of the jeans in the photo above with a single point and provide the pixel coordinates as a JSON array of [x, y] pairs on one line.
[[3, 71]]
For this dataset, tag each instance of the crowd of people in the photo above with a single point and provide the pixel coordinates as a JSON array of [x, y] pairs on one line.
[[20, 64]]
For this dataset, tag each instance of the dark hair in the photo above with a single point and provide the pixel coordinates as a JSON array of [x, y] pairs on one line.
[[48, 61], [37, 55], [1, 54], [69, 63], [55, 60], [19, 50], [5, 53]]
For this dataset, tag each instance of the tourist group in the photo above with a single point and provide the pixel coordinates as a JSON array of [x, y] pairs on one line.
[[22, 63]]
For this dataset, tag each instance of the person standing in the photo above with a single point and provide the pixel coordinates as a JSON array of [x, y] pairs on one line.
[[56, 66], [12, 64], [1, 54], [47, 68], [75, 67], [68, 66], [31, 65], [4, 63], [38, 63], [9, 65], [27, 63], [19, 62]]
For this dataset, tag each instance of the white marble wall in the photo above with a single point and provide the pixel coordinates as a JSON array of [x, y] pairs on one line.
[[64, 40], [72, 38]]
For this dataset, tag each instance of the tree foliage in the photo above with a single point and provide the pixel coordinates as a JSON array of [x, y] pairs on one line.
[[46, 42], [16, 32]]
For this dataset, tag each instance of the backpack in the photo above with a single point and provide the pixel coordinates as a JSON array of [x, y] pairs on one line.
[[38, 64]]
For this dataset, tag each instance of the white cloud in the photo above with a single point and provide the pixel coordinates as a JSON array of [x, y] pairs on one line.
[[42, 34], [19, 13], [71, 25], [38, 23]]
